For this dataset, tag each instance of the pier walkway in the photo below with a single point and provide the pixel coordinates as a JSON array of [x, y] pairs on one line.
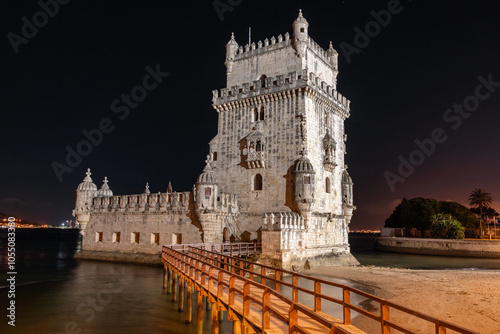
[[253, 295]]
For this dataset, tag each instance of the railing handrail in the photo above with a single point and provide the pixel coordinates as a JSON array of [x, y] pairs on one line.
[[228, 261], [245, 296]]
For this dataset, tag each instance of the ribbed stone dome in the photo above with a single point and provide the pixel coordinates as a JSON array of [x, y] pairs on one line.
[[105, 191], [206, 177], [346, 178], [303, 165], [87, 184]]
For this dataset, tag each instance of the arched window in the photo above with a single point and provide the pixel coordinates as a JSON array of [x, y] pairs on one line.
[[327, 185], [255, 115], [214, 156], [257, 182], [261, 113], [258, 147]]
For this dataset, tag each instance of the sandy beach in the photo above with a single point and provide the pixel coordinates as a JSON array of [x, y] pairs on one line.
[[467, 298]]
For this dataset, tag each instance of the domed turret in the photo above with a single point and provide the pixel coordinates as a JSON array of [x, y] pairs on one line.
[[347, 197], [304, 180], [231, 50], [105, 191], [300, 35], [85, 193], [206, 188]]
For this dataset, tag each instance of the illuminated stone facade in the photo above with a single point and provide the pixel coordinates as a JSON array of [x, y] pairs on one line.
[[275, 170]]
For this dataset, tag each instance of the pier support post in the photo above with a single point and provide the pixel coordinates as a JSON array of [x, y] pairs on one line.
[[237, 327], [221, 316], [170, 274], [209, 305], [174, 288], [215, 319], [165, 276], [189, 304], [199, 314], [181, 295]]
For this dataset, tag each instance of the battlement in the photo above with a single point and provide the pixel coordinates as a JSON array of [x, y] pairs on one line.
[[228, 202], [280, 83], [274, 44], [276, 221], [160, 202]]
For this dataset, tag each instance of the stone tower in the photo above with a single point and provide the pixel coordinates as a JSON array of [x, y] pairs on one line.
[[85, 193], [280, 143]]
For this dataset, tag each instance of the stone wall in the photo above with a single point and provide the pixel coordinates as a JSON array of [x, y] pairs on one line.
[[466, 248]]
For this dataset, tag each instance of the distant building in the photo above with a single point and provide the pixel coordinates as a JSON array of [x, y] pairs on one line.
[[274, 172]]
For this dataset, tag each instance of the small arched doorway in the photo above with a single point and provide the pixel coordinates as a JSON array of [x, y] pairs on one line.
[[226, 234]]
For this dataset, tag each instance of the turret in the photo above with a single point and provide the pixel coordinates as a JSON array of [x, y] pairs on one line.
[[85, 193], [231, 50], [333, 57], [300, 35], [206, 188], [347, 196], [104, 191], [304, 181]]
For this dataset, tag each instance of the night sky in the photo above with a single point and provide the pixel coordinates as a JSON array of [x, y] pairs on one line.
[[65, 78]]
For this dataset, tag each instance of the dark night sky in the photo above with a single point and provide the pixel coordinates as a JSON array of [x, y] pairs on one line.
[[427, 59]]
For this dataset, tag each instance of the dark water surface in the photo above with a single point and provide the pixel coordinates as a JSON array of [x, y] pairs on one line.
[[56, 294]]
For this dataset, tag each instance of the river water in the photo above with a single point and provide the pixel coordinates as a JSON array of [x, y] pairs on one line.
[[55, 294]]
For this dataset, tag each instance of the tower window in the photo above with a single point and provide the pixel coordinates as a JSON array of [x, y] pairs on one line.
[[258, 147], [134, 237], [262, 113], [208, 191], [307, 180], [255, 115], [302, 30], [155, 238], [116, 237], [257, 182], [327, 185], [214, 156], [98, 237]]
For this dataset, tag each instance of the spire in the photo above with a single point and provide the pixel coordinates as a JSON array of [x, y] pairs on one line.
[[208, 162], [146, 190], [88, 178], [300, 18], [169, 188]]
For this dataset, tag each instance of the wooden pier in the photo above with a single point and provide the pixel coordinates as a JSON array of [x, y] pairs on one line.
[[251, 294]]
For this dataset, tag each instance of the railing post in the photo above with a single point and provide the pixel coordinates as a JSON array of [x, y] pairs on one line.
[[292, 319], [347, 310], [266, 316], [263, 275], [440, 329], [246, 305], [251, 271], [277, 277], [295, 292], [317, 298], [385, 316], [241, 268]]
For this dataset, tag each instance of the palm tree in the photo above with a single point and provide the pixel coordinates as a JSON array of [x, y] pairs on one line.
[[480, 199]]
